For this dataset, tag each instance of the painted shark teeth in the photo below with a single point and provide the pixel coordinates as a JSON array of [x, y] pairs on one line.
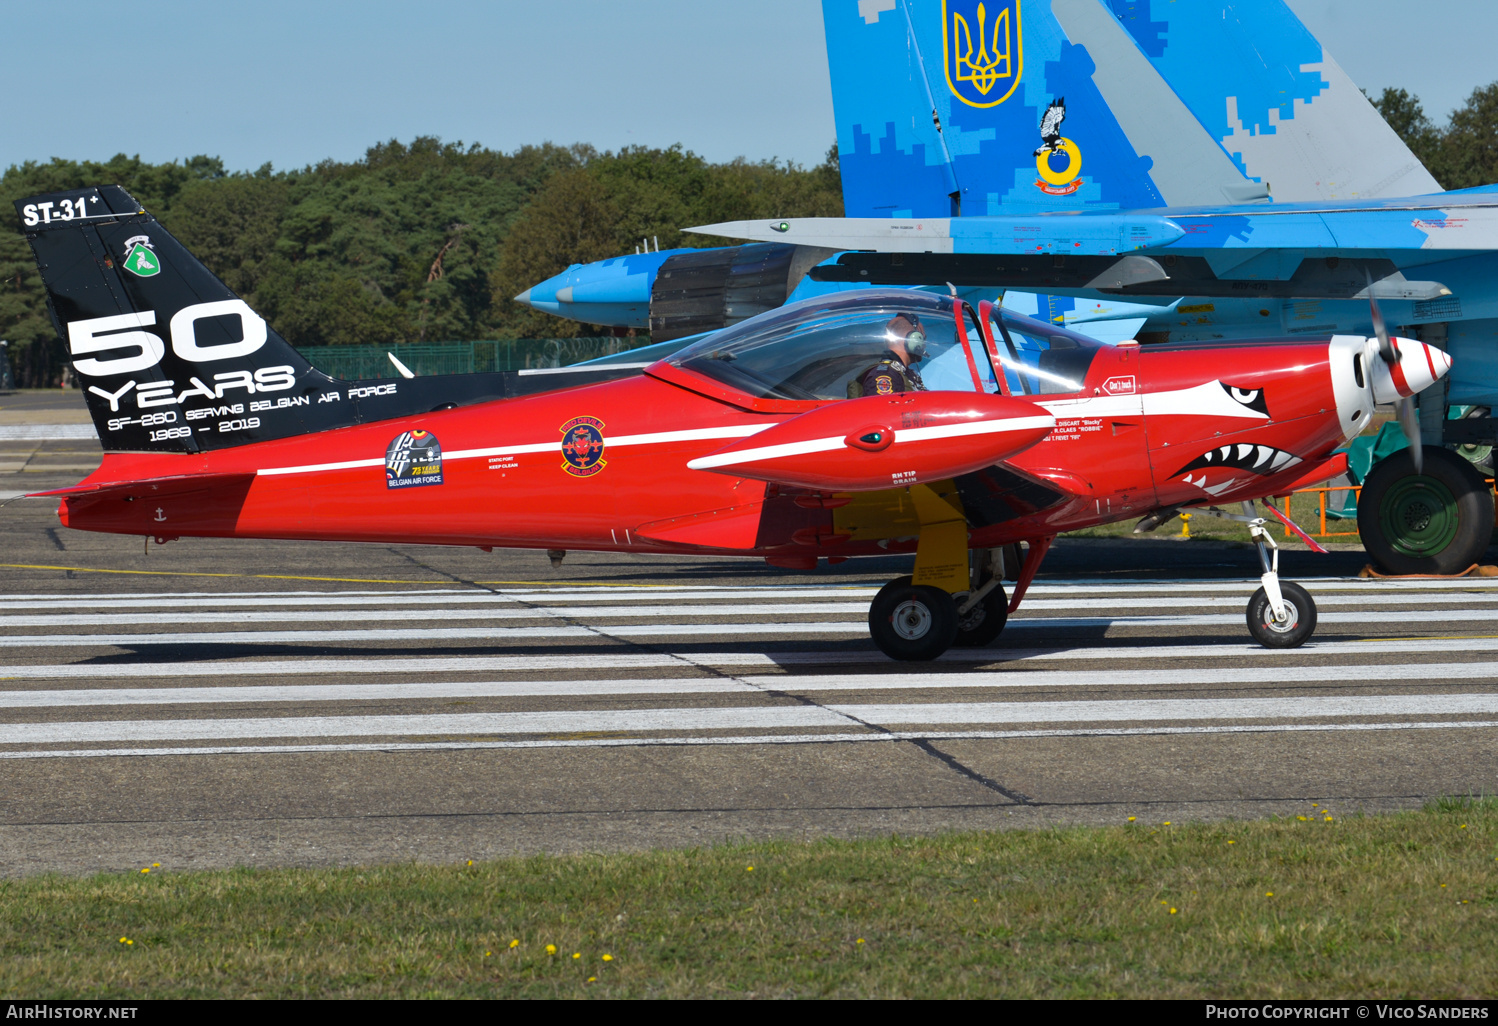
[[1213, 490], [1259, 459]]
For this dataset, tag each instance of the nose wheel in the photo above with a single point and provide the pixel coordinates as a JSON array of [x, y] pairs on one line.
[[1295, 624]]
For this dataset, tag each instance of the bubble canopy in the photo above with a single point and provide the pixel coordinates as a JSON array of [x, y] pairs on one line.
[[837, 347], [869, 341]]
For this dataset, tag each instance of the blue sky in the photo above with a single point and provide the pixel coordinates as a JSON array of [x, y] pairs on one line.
[[296, 82]]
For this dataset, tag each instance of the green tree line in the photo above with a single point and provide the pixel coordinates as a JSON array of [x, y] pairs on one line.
[[425, 242]]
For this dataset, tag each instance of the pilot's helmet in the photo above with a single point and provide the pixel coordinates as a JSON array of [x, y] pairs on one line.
[[907, 328]]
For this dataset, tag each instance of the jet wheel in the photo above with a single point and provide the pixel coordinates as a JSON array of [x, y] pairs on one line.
[[1291, 632], [912, 622], [980, 625], [1436, 522]]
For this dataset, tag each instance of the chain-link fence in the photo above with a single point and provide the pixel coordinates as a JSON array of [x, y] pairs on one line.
[[355, 362]]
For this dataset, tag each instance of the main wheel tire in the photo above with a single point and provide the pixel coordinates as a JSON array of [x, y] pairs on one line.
[[912, 622], [983, 623], [1299, 623], [1439, 521]]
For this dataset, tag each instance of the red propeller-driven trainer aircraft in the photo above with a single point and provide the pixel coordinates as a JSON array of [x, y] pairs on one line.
[[870, 422]]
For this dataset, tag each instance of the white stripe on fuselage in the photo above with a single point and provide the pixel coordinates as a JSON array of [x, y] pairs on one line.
[[1209, 399], [653, 438]]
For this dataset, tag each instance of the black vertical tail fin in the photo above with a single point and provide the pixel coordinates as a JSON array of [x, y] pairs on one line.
[[171, 360]]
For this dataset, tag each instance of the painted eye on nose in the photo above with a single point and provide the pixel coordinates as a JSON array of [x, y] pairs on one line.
[[1249, 398]]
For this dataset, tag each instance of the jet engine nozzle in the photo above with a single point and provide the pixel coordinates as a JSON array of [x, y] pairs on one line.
[[1419, 366]]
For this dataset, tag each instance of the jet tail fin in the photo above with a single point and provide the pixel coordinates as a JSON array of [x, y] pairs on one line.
[[172, 361], [1023, 106]]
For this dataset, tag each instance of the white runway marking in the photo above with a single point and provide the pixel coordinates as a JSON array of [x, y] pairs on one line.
[[750, 718], [427, 634], [1290, 707], [369, 692], [412, 664], [1276, 676], [1338, 590], [48, 433], [514, 610], [566, 722], [856, 626], [468, 597], [610, 660], [1312, 584], [1268, 676], [1240, 600], [758, 739]]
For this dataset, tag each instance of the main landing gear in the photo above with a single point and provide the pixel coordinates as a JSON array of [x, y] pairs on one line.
[[1280, 614], [913, 622], [918, 622]]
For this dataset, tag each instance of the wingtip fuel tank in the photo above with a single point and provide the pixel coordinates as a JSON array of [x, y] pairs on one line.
[[879, 442]]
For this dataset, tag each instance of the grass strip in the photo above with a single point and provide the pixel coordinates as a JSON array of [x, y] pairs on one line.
[[1316, 906]]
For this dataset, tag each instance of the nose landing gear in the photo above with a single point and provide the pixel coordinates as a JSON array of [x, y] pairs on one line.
[[1280, 614]]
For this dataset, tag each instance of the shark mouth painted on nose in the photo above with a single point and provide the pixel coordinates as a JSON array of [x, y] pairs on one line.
[[1257, 459]]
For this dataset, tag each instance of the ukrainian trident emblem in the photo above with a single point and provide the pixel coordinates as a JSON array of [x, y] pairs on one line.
[[984, 50]]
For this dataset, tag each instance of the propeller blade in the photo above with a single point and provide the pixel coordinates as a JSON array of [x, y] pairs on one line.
[[1404, 409], [1409, 421], [1385, 347]]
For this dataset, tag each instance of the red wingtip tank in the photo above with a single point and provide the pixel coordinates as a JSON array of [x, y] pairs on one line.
[[878, 442]]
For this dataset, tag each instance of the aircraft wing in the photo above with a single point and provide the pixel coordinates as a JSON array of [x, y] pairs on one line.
[[1273, 250]]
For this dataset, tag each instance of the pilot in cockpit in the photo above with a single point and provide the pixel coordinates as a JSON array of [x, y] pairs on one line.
[[895, 372]]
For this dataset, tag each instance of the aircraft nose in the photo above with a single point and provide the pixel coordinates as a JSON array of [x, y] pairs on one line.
[[612, 292], [1419, 367], [543, 296]]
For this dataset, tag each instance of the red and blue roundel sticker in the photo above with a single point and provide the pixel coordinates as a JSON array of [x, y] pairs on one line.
[[582, 446], [413, 459]]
